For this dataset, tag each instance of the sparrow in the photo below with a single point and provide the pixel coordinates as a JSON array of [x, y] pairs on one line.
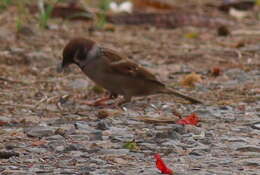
[[113, 71]]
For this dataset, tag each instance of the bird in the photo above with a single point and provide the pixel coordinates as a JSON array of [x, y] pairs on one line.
[[114, 71]]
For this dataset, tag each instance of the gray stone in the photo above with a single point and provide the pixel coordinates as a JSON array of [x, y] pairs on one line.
[[13, 145], [238, 74], [36, 150], [97, 135], [75, 147], [77, 153], [5, 119], [79, 84], [172, 127], [40, 131], [52, 145], [80, 137], [200, 151], [251, 162], [115, 151], [150, 146], [234, 139], [189, 142], [206, 114], [68, 171], [249, 148], [103, 125], [256, 125], [84, 126], [175, 135], [170, 143], [55, 137], [31, 161], [60, 148]]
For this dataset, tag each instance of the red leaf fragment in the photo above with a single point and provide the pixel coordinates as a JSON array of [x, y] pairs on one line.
[[192, 119], [2, 123], [215, 71], [161, 165]]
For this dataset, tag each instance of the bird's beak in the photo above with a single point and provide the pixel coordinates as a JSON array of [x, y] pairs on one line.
[[62, 66]]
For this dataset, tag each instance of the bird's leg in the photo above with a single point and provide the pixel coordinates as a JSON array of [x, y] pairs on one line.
[[113, 95], [101, 101], [125, 100]]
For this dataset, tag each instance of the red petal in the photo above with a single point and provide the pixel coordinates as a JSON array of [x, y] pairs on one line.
[[161, 165], [157, 156], [192, 119]]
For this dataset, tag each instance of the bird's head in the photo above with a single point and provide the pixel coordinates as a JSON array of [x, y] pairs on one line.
[[79, 51]]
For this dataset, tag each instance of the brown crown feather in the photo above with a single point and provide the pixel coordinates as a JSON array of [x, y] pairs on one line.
[[80, 46]]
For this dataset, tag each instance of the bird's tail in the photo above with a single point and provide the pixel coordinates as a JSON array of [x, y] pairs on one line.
[[178, 94]]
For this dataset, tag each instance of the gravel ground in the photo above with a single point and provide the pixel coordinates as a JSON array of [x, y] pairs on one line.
[[46, 129]]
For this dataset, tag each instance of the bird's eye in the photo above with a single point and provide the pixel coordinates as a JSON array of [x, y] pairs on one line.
[[80, 55]]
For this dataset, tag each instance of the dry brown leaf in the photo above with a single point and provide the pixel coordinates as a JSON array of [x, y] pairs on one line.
[[225, 102], [191, 79], [155, 4], [216, 71], [105, 113], [38, 143]]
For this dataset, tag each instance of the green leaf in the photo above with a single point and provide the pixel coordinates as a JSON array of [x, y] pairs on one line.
[[131, 145], [104, 4], [191, 35]]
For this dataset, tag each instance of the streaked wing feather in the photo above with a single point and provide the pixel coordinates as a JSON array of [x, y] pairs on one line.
[[120, 64]]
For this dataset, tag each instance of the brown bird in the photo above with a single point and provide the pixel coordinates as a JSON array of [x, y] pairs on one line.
[[113, 71]]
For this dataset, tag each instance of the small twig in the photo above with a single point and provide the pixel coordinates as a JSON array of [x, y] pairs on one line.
[[45, 99], [41, 101], [155, 120]]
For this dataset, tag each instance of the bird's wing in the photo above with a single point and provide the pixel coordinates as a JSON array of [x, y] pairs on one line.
[[120, 64]]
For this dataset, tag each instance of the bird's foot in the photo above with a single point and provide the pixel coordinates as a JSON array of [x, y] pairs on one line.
[[123, 101], [98, 102], [101, 101]]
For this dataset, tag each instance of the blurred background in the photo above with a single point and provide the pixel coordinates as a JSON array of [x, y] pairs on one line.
[[208, 49]]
